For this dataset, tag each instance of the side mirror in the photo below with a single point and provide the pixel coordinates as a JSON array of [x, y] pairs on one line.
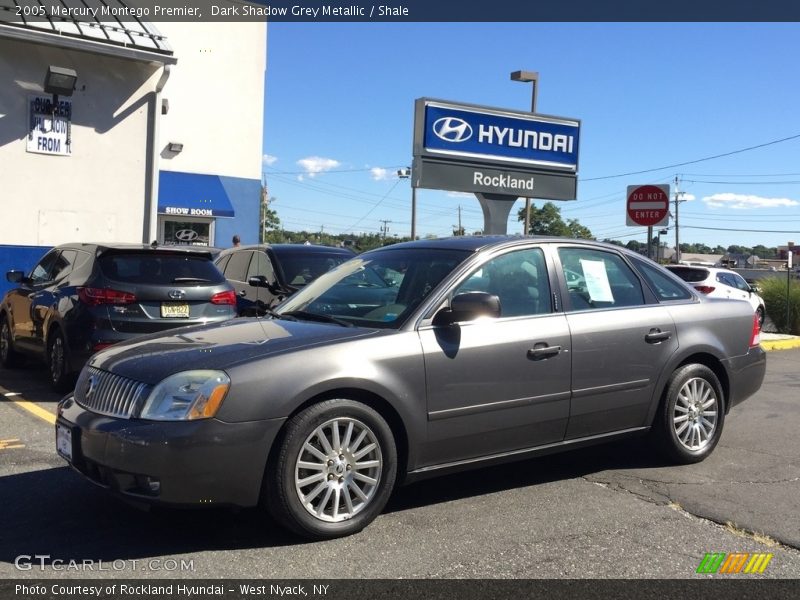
[[468, 307], [258, 281], [15, 276]]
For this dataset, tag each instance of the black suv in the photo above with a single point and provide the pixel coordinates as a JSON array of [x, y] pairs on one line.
[[81, 298], [265, 274]]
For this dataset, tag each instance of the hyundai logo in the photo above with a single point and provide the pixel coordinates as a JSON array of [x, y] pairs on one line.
[[176, 294], [452, 129], [186, 235]]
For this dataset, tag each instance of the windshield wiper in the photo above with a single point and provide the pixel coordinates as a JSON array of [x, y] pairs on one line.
[[310, 316], [277, 315]]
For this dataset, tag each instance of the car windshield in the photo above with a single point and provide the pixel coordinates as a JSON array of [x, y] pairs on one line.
[[159, 268], [301, 267], [377, 289]]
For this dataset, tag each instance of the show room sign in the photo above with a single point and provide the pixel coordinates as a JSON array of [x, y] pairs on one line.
[[49, 130]]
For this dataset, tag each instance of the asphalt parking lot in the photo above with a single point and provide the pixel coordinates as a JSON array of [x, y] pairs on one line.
[[612, 511]]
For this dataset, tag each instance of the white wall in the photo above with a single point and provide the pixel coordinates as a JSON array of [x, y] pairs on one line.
[[97, 193], [216, 98]]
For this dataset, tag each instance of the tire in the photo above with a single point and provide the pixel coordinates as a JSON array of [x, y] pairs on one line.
[[9, 357], [685, 433], [333, 472], [760, 313], [61, 379]]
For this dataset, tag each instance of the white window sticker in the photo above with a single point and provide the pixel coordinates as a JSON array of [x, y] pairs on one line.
[[594, 272]]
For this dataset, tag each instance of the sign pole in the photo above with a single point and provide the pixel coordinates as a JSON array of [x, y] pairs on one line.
[[650, 242], [788, 282]]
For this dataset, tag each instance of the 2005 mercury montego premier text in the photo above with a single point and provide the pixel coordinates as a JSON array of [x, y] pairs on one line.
[[408, 361]]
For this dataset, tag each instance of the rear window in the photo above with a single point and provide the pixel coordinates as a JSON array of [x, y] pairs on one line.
[[692, 275], [157, 268]]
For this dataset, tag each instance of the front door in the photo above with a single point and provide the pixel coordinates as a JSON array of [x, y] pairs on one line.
[[502, 384]]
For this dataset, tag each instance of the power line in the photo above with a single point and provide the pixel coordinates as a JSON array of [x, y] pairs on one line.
[[742, 230], [698, 160], [743, 182]]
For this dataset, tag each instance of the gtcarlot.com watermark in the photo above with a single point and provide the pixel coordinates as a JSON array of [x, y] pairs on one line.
[[45, 562]]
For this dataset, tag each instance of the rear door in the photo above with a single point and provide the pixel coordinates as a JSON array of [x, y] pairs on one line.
[[622, 339]]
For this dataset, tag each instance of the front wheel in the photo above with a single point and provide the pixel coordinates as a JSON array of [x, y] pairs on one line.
[[692, 414], [334, 470]]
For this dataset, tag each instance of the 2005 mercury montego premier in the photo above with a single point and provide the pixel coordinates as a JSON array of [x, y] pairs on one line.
[[408, 361]]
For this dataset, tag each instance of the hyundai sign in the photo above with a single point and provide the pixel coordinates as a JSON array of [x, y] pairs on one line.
[[470, 148]]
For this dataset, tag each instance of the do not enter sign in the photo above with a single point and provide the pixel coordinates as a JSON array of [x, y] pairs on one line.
[[648, 205]]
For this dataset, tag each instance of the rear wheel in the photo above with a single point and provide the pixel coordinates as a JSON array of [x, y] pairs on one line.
[[61, 379], [692, 414], [8, 356], [334, 471]]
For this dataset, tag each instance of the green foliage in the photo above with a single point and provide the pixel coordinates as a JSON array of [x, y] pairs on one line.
[[546, 220], [773, 290], [358, 243]]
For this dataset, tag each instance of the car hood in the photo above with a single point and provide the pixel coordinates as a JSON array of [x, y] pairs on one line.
[[151, 358]]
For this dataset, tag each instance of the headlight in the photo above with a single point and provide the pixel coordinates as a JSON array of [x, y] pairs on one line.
[[187, 396]]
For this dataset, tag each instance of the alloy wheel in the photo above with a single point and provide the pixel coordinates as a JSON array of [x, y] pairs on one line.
[[696, 414], [338, 469]]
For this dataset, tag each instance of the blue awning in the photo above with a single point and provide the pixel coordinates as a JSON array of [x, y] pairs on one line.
[[192, 195]]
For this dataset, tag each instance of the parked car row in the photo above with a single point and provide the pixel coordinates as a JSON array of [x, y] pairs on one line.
[[409, 361], [81, 298]]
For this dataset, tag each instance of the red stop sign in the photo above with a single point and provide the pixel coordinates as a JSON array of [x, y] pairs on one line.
[[648, 205]]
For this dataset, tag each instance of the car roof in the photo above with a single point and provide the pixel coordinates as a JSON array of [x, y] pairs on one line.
[[475, 243], [294, 248], [102, 247]]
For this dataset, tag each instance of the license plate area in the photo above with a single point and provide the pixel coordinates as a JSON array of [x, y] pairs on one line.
[[175, 310], [64, 441]]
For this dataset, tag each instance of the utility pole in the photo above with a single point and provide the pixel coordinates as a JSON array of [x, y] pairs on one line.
[[460, 229], [677, 236], [385, 227]]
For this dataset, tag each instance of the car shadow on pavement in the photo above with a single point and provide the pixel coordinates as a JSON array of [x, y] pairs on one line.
[[634, 453], [54, 512]]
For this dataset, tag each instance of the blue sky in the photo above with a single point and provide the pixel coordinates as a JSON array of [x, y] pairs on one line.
[[339, 115]]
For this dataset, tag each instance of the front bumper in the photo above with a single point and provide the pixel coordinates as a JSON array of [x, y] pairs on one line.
[[177, 462], [746, 375]]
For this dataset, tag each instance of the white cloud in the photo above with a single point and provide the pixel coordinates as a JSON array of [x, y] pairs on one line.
[[379, 174], [315, 165], [687, 197], [460, 195], [745, 201], [269, 160]]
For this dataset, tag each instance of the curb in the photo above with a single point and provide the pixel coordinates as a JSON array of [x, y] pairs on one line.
[[781, 344]]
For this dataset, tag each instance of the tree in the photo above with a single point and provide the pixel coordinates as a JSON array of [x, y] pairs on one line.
[[546, 220], [269, 218]]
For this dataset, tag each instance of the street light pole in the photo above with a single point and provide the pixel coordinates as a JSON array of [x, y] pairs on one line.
[[533, 78], [406, 174]]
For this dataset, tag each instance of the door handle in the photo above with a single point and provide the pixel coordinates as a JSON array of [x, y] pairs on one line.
[[656, 336], [543, 352], [243, 293]]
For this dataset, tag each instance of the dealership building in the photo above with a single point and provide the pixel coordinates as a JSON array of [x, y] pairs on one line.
[[128, 132]]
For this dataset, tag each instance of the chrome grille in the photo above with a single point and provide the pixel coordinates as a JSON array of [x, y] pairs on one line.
[[109, 394]]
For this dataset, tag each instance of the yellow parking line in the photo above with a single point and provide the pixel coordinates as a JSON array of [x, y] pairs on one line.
[[36, 410]]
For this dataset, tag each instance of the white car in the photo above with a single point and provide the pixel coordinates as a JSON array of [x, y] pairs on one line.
[[720, 283]]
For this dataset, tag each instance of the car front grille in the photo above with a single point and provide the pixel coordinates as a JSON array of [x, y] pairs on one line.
[[109, 394]]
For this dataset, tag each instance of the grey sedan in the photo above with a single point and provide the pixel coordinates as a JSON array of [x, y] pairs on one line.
[[477, 350]]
